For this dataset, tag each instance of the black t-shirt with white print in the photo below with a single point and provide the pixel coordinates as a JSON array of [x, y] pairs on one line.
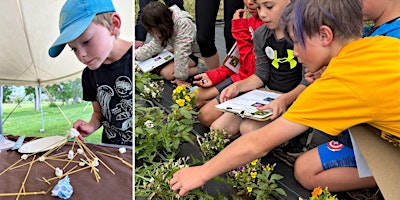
[[111, 86]]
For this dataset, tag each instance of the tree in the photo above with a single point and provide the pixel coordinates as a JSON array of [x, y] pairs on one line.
[[65, 91], [7, 91]]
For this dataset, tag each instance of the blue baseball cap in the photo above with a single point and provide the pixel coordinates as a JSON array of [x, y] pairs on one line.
[[75, 17]]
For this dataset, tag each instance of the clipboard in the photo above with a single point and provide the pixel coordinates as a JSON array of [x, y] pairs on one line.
[[245, 105], [155, 61]]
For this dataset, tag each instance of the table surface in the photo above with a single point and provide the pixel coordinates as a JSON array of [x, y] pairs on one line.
[[85, 186]]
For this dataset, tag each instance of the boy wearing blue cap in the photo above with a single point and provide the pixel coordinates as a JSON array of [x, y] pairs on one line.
[[91, 28]]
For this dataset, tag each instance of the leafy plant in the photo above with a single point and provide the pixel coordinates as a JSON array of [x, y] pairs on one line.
[[148, 85], [256, 180], [183, 97], [152, 181], [212, 142], [321, 194], [157, 132]]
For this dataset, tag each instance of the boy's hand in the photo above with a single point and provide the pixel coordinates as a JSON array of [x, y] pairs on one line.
[[312, 76], [239, 14], [202, 80], [85, 129], [186, 179], [277, 107], [229, 93]]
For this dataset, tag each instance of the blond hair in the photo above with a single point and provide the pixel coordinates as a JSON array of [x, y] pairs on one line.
[[104, 19]]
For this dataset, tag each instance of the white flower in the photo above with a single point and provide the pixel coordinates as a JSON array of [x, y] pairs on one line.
[[149, 124], [146, 89]]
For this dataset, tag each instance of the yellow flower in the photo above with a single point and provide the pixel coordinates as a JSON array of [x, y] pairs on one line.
[[317, 191], [268, 167], [254, 162], [249, 189], [180, 102], [174, 112], [196, 91], [253, 174], [187, 98], [179, 88], [301, 198], [332, 198]]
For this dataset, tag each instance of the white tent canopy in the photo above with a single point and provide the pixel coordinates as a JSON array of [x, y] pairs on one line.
[[28, 29]]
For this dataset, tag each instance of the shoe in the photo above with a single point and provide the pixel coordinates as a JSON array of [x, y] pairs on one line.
[[299, 144]]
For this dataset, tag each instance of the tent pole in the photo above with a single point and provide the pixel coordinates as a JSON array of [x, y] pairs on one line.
[[38, 92]]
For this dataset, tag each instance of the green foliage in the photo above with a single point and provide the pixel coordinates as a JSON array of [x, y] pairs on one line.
[[7, 91], [152, 181], [155, 131], [65, 91], [148, 85], [256, 180], [212, 143]]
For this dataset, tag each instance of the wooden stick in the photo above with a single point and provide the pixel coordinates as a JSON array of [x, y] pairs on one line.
[[81, 144], [69, 172], [49, 165], [117, 157], [8, 168], [61, 154], [26, 176], [66, 118], [25, 193], [69, 161], [66, 160]]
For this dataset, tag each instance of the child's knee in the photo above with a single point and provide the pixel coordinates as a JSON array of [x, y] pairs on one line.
[[245, 128], [302, 173]]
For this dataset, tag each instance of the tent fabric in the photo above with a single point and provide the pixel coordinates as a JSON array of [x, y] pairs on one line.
[[28, 29]]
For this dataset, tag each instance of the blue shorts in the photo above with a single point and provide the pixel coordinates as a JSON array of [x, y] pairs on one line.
[[335, 154]]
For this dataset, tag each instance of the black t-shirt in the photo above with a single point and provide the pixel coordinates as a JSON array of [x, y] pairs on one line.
[[111, 86], [279, 69]]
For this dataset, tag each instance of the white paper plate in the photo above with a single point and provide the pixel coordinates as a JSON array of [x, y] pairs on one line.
[[42, 144]]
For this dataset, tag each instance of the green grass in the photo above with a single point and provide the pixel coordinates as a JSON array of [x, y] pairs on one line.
[[27, 122]]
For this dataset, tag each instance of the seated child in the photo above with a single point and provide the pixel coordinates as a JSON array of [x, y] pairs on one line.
[[174, 27], [212, 82], [277, 69], [386, 24], [324, 33]]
